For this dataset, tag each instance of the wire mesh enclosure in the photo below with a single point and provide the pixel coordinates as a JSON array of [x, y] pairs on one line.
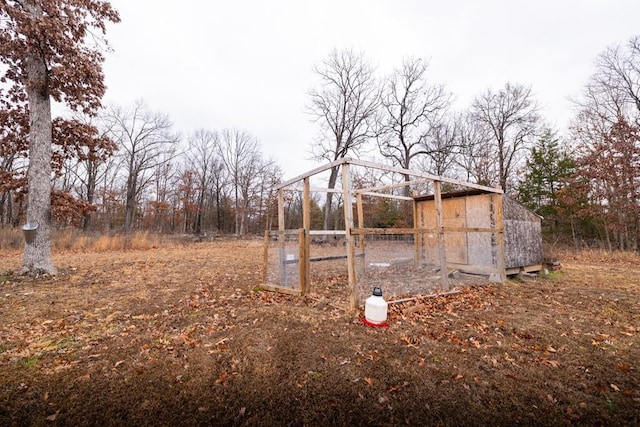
[[398, 231], [282, 260]]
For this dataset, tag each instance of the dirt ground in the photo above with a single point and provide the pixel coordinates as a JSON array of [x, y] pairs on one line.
[[182, 335]]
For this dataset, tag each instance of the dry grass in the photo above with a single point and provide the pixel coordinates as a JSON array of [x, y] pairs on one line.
[[69, 239], [180, 336]]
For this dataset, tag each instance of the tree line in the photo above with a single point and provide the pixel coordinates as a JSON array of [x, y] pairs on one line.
[[124, 168], [133, 171], [585, 184]]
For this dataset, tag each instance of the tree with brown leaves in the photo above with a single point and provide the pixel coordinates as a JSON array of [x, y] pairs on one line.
[[51, 49]]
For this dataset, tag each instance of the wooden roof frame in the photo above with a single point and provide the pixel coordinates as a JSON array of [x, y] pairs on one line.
[[350, 231], [422, 177]]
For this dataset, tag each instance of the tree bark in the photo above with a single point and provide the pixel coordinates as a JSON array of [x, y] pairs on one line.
[[37, 254]]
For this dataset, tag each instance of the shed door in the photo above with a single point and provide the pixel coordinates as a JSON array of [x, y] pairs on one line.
[[454, 215]]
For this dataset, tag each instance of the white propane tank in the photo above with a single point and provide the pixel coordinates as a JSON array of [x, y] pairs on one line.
[[375, 308]]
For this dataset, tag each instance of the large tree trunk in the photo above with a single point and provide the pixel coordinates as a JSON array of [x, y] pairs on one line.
[[37, 254]]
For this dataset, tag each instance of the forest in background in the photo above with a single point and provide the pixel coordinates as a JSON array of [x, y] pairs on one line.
[[127, 169]]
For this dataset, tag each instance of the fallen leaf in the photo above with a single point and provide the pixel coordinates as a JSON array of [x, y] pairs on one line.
[[614, 387], [53, 417], [222, 378], [368, 380]]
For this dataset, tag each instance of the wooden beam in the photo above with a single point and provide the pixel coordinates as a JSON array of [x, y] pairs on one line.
[[360, 211], [417, 236], [499, 219], [441, 241], [470, 230], [315, 190], [383, 231], [305, 284], [273, 288], [281, 238], [311, 173], [265, 256], [302, 264], [396, 185], [377, 231], [476, 269], [348, 225], [526, 269], [386, 196], [373, 165], [279, 233], [429, 176], [327, 232], [280, 210]]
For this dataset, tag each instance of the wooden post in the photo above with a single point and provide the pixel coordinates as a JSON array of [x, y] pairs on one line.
[[361, 236], [265, 257], [302, 264], [417, 237], [348, 225], [281, 239], [444, 269], [305, 247], [499, 219]]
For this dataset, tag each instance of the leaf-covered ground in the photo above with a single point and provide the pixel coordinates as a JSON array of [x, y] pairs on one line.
[[181, 335]]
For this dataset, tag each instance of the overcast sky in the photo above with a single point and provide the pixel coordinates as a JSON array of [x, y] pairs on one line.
[[248, 64]]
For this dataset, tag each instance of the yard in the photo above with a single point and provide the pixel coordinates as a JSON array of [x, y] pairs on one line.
[[181, 334]]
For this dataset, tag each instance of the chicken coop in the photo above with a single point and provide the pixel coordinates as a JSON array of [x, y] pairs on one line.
[[408, 232]]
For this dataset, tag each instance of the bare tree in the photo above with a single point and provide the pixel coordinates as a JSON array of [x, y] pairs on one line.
[[203, 158], [268, 197], [613, 91], [219, 189], [475, 155], [618, 75], [241, 155], [344, 103], [146, 141], [166, 183], [47, 51], [511, 118], [411, 107], [441, 145]]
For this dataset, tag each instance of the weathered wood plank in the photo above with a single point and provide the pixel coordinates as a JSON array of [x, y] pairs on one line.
[[274, 288]]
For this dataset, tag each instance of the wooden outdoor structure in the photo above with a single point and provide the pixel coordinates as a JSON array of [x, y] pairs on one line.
[[475, 252], [445, 232]]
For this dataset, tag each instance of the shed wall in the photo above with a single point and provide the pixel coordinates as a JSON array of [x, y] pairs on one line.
[[522, 235], [522, 231]]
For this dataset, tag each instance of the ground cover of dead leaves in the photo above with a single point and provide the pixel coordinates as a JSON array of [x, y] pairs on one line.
[[182, 335]]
